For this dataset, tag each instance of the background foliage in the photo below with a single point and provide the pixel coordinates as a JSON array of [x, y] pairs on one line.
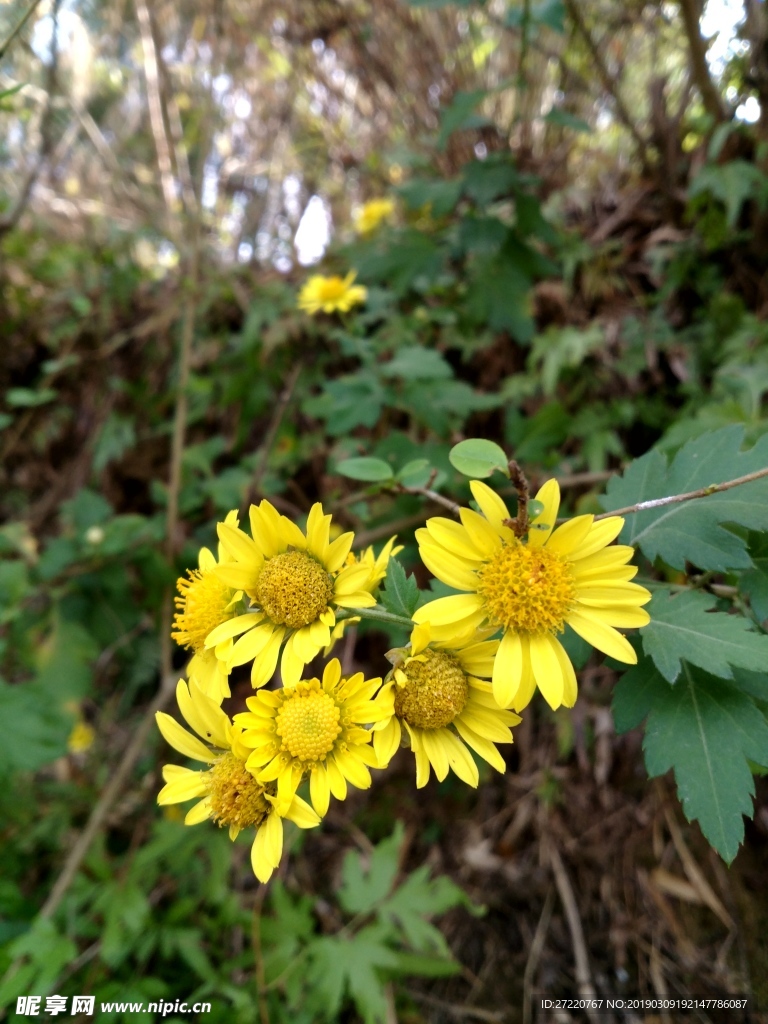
[[576, 270]]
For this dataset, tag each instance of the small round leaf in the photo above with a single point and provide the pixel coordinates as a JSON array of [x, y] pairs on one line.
[[367, 469], [476, 457], [415, 473], [535, 508]]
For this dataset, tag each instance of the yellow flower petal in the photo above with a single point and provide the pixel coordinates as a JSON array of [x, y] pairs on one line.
[[319, 789], [181, 740], [447, 567], [492, 507], [547, 670], [543, 524], [264, 665], [603, 637], [185, 788], [200, 812], [600, 536], [508, 667], [301, 814], [436, 751], [448, 610], [386, 742], [232, 627], [566, 538], [453, 537]]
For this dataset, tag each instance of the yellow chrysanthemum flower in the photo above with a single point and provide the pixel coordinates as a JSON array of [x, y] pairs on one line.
[[368, 217], [314, 729], [230, 793], [436, 692], [204, 602], [331, 294], [377, 565], [530, 589], [294, 583]]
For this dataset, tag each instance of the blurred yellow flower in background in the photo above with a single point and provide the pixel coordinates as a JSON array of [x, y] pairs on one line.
[[81, 738], [331, 294], [371, 214]]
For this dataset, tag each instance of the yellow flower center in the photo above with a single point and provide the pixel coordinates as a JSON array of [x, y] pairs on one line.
[[200, 607], [530, 590], [293, 589], [308, 722], [435, 692], [236, 797]]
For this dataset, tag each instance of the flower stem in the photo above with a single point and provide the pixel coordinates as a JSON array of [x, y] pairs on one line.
[[375, 614]]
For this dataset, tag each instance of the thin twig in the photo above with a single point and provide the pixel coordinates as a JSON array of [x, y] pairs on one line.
[[106, 800], [581, 960], [261, 983], [155, 105], [537, 947], [455, 1010], [19, 26], [427, 492], [274, 425], [610, 83], [702, 492], [46, 121]]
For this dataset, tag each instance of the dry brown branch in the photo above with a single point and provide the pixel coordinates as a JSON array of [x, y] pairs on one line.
[[9, 222], [534, 955], [274, 425], [155, 105], [584, 982], [610, 82], [710, 97]]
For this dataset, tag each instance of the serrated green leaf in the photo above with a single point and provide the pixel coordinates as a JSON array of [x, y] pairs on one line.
[[684, 626], [362, 888], [415, 362], [401, 593], [691, 530], [371, 470], [705, 729], [477, 457]]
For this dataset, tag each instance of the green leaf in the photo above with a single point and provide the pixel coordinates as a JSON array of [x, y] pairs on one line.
[[732, 184], [416, 473], [685, 626], [40, 728], [415, 362], [401, 593], [418, 898], [560, 348], [477, 457], [499, 295], [460, 115], [563, 119], [439, 196], [690, 530], [361, 888], [27, 398], [705, 729], [754, 582], [369, 469]]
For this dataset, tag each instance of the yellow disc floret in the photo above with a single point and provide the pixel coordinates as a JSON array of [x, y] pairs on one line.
[[202, 604], [435, 691], [308, 722], [236, 797], [526, 589], [293, 589]]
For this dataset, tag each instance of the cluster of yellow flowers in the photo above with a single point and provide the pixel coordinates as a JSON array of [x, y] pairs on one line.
[[473, 660]]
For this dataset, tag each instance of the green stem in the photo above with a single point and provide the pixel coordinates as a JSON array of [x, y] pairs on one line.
[[376, 614]]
